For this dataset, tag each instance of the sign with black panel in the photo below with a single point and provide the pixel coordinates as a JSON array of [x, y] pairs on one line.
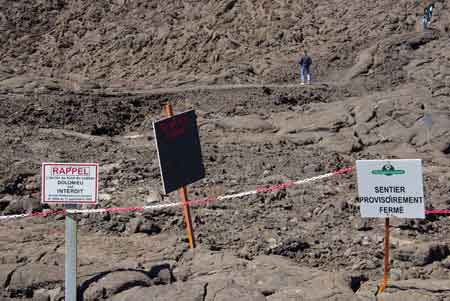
[[179, 151]]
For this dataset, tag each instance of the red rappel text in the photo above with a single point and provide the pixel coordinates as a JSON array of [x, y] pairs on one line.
[[73, 171]]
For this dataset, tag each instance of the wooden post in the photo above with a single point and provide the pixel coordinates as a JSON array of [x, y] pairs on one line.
[[168, 109], [183, 195], [187, 216], [386, 256]]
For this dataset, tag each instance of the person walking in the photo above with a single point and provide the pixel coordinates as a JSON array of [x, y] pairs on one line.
[[305, 64], [427, 15]]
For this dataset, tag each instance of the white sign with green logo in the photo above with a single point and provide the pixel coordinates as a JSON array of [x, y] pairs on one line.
[[391, 188]]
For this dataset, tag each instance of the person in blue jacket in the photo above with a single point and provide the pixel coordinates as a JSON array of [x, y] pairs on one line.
[[305, 64]]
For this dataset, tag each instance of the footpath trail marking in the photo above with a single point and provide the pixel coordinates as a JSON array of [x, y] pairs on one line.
[[190, 88], [69, 184], [180, 157], [390, 188]]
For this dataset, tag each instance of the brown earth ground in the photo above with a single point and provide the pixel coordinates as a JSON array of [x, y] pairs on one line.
[[82, 81]]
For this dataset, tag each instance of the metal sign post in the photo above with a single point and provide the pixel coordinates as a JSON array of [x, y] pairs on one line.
[[184, 196], [70, 184], [70, 270]]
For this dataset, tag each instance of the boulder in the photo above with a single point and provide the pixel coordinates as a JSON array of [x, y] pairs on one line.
[[364, 112], [321, 119], [408, 290], [5, 201], [22, 205], [363, 64], [253, 123], [276, 273], [142, 225], [36, 275], [178, 291], [272, 277], [41, 295], [199, 265], [104, 285], [224, 290], [153, 197], [134, 225], [299, 294], [423, 254], [6, 271]]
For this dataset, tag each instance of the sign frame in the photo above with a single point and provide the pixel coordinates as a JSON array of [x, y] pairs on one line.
[[163, 166], [74, 202], [383, 194]]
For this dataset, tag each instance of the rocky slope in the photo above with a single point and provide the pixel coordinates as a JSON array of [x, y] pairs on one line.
[[140, 44]]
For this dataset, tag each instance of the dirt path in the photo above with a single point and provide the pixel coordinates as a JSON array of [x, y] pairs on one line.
[[195, 88]]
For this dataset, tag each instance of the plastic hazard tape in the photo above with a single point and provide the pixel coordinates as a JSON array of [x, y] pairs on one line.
[[169, 205], [194, 202], [441, 211], [124, 209], [34, 214]]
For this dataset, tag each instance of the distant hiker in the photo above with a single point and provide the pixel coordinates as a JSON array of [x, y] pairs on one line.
[[427, 15], [305, 63]]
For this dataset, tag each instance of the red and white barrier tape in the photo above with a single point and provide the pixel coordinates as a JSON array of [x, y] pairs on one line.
[[436, 211], [169, 205], [194, 202]]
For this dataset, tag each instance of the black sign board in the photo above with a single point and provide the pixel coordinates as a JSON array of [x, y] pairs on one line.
[[179, 152]]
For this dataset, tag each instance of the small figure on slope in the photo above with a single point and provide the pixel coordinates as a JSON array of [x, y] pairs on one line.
[[305, 64], [427, 15]]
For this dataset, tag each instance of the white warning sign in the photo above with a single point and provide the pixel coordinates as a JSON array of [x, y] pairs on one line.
[[391, 188], [69, 183]]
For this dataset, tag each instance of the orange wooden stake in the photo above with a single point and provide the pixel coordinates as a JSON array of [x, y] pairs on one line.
[[168, 109], [386, 256], [187, 216], [183, 196]]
